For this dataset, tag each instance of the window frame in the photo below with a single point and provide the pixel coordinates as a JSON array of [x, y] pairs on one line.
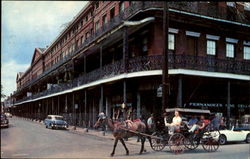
[[246, 56], [209, 48], [228, 54]]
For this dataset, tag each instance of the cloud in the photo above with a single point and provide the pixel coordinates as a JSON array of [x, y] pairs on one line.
[[8, 75], [30, 24]]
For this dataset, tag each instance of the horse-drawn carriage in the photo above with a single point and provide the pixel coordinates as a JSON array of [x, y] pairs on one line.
[[178, 141], [182, 139]]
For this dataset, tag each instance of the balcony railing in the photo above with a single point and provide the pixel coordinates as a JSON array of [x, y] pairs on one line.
[[193, 7], [145, 63]]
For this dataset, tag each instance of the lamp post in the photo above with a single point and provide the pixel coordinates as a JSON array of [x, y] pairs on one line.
[[165, 75]]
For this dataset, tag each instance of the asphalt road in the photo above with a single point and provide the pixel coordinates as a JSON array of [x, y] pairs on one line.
[[27, 139]]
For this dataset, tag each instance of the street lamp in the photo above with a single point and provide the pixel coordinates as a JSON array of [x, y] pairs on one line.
[[165, 75]]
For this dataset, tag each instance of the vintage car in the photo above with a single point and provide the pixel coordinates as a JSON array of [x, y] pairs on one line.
[[235, 134], [55, 122], [8, 115], [4, 121]]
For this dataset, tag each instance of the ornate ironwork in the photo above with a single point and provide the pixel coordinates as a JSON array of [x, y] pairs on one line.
[[145, 63]]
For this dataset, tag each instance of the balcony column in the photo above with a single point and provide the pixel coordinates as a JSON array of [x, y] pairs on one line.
[[85, 110], [58, 105], [52, 109], [107, 107], [101, 106], [66, 104], [124, 92], [179, 95], [125, 49], [228, 102], [74, 110], [85, 64], [138, 110], [47, 106], [101, 57]]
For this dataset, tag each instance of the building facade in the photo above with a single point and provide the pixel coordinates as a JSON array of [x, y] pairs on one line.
[[112, 53]]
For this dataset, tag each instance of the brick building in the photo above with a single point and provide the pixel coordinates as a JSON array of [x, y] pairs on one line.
[[111, 53]]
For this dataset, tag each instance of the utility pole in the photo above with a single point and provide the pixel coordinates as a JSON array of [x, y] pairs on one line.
[[165, 76]]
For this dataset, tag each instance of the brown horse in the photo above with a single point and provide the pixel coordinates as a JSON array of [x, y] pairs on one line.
[[119, 133]]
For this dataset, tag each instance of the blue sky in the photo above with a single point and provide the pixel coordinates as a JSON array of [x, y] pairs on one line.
[[27, 25]]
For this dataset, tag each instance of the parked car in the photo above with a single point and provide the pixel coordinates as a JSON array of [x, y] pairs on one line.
[[4, 121], [55, 121], [235, 134], [8, 115]]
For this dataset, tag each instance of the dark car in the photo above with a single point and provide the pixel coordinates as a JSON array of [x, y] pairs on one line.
[[55, 121], [4, 121]]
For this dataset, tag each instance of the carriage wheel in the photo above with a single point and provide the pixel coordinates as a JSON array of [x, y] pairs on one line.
[[210, 141], [191, 142], [157, 144], [176, 143]]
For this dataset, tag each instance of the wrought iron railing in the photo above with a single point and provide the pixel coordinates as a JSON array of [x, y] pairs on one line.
[[145, 63], [193, 7]]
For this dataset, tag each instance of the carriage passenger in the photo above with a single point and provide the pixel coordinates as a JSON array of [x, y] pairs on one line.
[[200, 124], [176, 123]]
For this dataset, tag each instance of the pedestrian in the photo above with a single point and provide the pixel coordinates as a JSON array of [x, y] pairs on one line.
[[222, 123], [150, 121]]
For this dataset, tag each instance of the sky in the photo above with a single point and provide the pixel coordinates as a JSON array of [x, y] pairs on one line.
[[27, 25]]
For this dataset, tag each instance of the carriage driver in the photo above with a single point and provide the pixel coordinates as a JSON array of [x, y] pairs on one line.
[[176, 123]]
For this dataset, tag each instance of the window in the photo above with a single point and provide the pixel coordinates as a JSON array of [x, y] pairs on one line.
[[246, 53], [104, 19], [82, 39], [112, 13], [230, 50], [86, 18], [211, 47], [171, 41], [96, 5], [121, 7], [192, 45], [97, 25]]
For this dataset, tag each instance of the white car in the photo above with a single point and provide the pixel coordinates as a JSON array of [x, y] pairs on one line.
[[235, 134]]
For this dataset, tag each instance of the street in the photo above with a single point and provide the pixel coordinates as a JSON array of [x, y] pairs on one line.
[[27, 139]]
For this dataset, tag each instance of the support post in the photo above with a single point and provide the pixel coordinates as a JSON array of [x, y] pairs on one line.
[[138, 112], [101, 108], [228, 103], [85, 110], [179, 96], [100, 57], [125, 49], [58, 105]]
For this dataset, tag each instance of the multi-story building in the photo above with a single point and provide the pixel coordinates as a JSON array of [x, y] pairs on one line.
[[112, 53]]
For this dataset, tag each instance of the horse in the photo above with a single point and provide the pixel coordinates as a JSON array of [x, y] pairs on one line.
[[120, 132]]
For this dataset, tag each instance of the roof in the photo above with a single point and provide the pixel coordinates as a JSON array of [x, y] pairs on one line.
[[41, 49], [188, 110]]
